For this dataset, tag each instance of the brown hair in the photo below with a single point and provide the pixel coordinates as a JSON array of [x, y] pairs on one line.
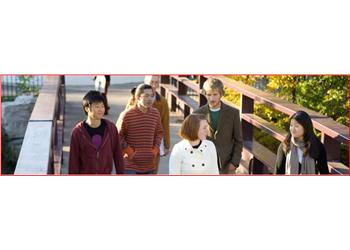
[[190, 126]]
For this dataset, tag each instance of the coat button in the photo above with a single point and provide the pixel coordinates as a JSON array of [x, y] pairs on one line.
[[203, 164], [193, 165], [191, 152], [201, 150]]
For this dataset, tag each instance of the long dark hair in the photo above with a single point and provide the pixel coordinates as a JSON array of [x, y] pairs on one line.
[[310, 139]]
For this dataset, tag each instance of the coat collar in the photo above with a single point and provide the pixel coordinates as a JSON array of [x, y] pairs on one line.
[[221, 117], [188, 147]]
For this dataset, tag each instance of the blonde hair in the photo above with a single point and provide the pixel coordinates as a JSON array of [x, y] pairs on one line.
[[213, 84], [132, 99]]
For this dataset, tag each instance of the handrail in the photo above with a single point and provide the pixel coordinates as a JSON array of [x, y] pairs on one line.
[[42, 136], [332, 132], [321, 122]]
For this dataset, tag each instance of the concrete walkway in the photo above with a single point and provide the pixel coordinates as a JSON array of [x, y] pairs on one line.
[[118, 96]]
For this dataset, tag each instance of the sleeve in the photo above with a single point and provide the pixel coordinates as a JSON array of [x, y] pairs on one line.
[[123, 132], [214, 168], [322, 163], [120, 120], [117, 153], [280, 166], [158, 135], [165, 123], [74, 154], [175, 161], [238, 139]]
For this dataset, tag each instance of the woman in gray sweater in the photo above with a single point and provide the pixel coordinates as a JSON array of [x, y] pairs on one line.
[[301, 152]]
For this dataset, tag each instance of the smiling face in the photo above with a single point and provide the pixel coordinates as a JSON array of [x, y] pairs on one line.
[[213, 96], [203, 130], [96, 110], [296, 129], [146, 99]]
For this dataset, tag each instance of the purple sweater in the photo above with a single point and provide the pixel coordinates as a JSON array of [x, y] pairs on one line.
[[84, 158]]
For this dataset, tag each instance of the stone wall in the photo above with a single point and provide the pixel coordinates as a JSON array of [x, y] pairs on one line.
[[15, 117]]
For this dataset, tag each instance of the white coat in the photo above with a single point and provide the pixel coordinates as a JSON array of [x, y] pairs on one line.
[[184, 159]]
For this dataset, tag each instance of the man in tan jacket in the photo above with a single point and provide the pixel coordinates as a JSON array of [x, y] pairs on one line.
[[225, 127]]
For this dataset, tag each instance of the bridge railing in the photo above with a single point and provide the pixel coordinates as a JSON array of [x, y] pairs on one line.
[[256, 158], [41, 151], [10, 85]]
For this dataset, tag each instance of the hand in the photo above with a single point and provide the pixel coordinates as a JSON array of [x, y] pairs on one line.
[[166, 151], [129, 157], [155, 151], [232, 168], [129, 153]]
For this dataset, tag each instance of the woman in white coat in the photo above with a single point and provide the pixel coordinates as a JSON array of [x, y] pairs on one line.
[[194, 154]]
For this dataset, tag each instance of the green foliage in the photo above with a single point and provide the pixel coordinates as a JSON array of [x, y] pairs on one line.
[[8, 98], [266, 140], [275, 117], [247, 79], [25, 86], [325, 94], [8, 159], [232, 96], [283, 86]]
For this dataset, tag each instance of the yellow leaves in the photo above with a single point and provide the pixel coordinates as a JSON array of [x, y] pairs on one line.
[[232, 96], [273, 85]]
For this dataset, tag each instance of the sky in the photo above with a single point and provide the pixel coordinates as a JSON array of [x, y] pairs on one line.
[[86, 80]]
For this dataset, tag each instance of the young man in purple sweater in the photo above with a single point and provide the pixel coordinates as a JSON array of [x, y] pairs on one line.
[[95, 142]]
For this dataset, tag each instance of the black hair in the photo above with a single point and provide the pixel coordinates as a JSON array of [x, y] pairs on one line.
[[91, 97], [141, 89], [310, 139]]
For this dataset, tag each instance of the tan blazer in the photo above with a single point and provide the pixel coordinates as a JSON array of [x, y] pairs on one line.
[[228, 136]]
